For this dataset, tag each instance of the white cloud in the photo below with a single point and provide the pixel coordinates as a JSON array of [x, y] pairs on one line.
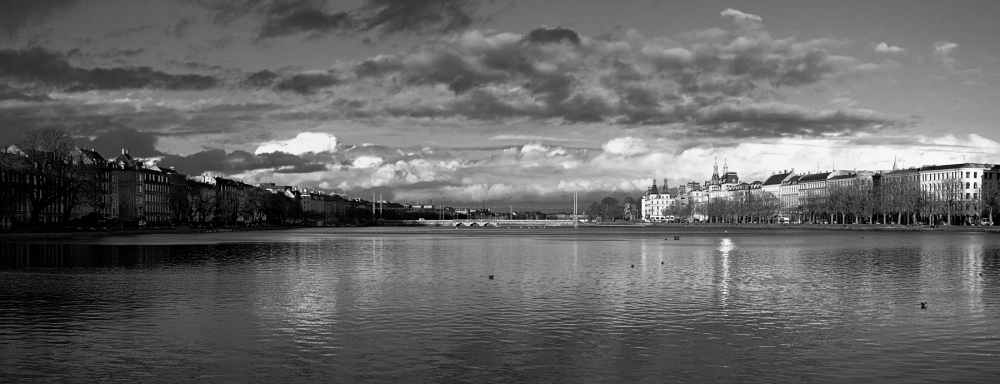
[[303, 143], [531, 137], [743, 19], [942, 51], [367, 161], [886, 48], [627, 146], [843, 102]]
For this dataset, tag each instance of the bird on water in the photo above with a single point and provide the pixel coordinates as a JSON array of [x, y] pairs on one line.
[[491, 277], [923, 305]]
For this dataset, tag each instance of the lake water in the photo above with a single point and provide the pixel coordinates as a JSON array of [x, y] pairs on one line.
[[415, 305]]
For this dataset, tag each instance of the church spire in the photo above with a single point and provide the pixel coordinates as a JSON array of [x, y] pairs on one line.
[[894, 163], [715, 170], [725, 166]]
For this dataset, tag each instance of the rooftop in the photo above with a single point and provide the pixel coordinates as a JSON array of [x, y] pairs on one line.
[[776, 179]]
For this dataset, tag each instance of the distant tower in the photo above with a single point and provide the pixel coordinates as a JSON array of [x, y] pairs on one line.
[[894, 163], [725, 166], [715, 171]]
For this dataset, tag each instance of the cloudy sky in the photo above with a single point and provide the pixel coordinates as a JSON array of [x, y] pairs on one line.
[[472, 102]]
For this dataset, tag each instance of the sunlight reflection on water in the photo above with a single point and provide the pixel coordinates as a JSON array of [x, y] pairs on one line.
[[416, 305]]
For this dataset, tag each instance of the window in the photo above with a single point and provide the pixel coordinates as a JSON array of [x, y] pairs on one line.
[[967, 174], [975, 185], [966, 185], [966, 196]]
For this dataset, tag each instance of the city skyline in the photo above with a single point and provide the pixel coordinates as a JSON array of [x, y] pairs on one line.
[[466, 102]]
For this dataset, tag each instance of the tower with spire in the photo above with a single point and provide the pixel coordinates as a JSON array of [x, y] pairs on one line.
[[715, 173], [655, 202]]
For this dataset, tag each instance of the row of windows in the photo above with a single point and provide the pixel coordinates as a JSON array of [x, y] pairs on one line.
[[939, 187], [947, 175]]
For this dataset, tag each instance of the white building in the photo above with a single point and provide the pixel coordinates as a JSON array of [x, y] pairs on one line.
[[655, 202], [959, 186]]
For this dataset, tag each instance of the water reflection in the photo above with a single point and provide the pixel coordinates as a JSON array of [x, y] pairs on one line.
[[24, 255], [726, 245], [565, 306], [972, 270]]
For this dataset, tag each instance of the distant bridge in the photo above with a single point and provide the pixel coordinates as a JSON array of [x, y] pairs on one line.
[[483, 223]]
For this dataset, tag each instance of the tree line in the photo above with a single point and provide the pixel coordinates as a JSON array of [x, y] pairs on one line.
[[890, 200], [46, 180], [610, 209]]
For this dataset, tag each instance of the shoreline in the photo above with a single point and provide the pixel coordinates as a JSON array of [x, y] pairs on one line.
[[84, 234], [23, 236], [831, 227]]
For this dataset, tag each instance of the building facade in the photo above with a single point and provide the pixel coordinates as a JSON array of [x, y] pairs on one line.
[[655, 203]]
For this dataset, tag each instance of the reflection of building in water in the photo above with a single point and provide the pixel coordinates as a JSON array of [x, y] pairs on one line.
[[81, 255]]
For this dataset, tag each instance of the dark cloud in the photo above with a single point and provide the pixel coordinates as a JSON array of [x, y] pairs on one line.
[[9, 93], [553, 35], [196, 66], [219, 161], [722, 85], [784, 121], [307, 83], [120, 32], [120, 53], [312, 18], [262, 79], [180, 28], [37, 65], [390, 17], [284, 18], [90, 120], [15, 15], [378, 66], [109, 143]]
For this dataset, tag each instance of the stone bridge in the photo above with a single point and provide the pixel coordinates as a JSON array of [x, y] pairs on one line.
[[483, 223]]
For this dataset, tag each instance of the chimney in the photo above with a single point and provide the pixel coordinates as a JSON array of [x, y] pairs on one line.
[[123, 151]]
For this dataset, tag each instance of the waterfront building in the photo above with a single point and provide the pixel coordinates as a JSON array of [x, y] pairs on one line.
[[718, 187], [899, 195], [773, 184], [952, 192], [851, 194], [156, 190], [655, 203], [789, 196], [233, 200], [812, 194], [131, 198]]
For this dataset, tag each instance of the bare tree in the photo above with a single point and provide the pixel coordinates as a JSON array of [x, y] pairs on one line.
[[202, 202], [991, 198], [49, 156]]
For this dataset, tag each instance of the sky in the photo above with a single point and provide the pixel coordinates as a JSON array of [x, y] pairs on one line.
[[496, 103]]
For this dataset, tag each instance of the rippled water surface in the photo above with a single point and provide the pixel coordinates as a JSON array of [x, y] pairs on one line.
[[566, 305]]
